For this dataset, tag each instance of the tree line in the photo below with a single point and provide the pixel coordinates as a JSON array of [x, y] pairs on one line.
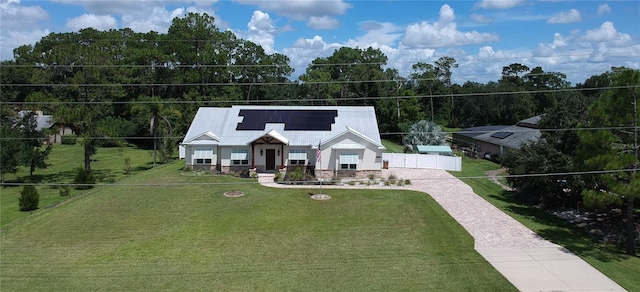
[[115, 85]]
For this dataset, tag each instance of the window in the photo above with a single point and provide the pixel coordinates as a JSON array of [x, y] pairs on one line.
[[203, 156], [297, 157], [239, 156], [348, 161]]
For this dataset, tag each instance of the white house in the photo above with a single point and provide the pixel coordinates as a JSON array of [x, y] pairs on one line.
[[332, 140]]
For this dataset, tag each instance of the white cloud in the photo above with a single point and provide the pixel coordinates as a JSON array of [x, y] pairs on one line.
[[607, 33], [301, 9], [261, 31], [479, 18], [99, 22], [378, 35], [13, 15], [303, 51], [498, 4], [20, 25], [570, 16], [603, 9], [323, 22], [443, 33]]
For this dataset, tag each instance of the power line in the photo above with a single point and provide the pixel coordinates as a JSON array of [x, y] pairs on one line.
[[177, 101], [302, 135], [192, 184]]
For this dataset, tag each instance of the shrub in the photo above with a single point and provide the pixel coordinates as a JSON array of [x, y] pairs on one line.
[[29, 198], [65, 191], [69, 139], [278, 177], [407, 182], [392, 179], [371, 176], [127, 165], [294, 176], [400, 183], [84, 179]]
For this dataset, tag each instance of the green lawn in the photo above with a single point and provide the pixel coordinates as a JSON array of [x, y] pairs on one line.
[[392, 147], [108, 166], [621, 268], [143, 234]]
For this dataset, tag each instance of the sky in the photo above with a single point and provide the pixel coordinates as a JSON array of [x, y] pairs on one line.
[[577, 38]]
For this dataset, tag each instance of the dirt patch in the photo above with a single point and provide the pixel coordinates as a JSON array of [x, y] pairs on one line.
[[493, 176], [233, 194], [320, 197]]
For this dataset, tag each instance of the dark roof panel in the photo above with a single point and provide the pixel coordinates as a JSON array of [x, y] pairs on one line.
[[293, 120], [501, 135]]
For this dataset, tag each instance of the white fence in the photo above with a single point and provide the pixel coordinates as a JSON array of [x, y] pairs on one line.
[[402, 160]]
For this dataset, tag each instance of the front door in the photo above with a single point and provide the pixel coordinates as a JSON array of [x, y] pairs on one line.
[[271, 159]]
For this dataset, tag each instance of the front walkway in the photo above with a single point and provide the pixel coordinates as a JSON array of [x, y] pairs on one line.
[[528, 261]]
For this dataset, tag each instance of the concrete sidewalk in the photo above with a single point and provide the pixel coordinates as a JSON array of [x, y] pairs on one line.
[[528, 261]]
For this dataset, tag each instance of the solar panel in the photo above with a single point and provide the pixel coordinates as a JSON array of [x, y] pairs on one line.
[[293, 120], [501, 135]]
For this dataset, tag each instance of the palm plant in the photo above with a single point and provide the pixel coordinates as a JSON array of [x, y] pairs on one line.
[[158, 113]]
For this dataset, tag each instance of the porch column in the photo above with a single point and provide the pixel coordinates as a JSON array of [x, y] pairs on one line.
[[281, 155], [252, 156]]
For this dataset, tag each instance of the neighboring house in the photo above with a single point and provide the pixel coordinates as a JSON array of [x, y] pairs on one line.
[[271, 138], [44, 123], [494, 140]]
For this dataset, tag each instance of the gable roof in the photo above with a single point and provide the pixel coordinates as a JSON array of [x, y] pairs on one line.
[[224, 123], [203, 138], [350, 130]]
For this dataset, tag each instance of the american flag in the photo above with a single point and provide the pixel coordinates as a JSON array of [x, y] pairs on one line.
[[318, 153]]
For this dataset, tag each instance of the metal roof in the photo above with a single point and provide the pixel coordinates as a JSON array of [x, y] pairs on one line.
[[222, 122], [433, 149], [518, 136], [476, 131]]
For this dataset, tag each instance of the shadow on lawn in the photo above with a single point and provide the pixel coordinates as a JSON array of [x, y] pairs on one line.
[[65, 177], [559, 231]]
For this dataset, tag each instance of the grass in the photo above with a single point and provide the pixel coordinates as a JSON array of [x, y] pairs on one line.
[[392, 147], [142, 234], [611, 261], [108, 166]]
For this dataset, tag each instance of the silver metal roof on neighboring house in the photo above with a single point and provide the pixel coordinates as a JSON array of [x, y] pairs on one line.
[[222, 122], [512, 136]]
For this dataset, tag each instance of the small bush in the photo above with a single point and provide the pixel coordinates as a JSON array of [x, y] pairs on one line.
[[407, 181], [392, 179], [278, 177], [65, 191], [371, 176], [352, 182], [84, 179], [69, 139], [127, 165], [29, 198], [400, 183]]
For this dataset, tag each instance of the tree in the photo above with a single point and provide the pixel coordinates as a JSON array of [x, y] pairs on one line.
[[424, 78], [424, 133], [539, 158], [31, 153], [157, 114], [29, 198], [10, 143], [613, 145], [356, 70], [443, 72]]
